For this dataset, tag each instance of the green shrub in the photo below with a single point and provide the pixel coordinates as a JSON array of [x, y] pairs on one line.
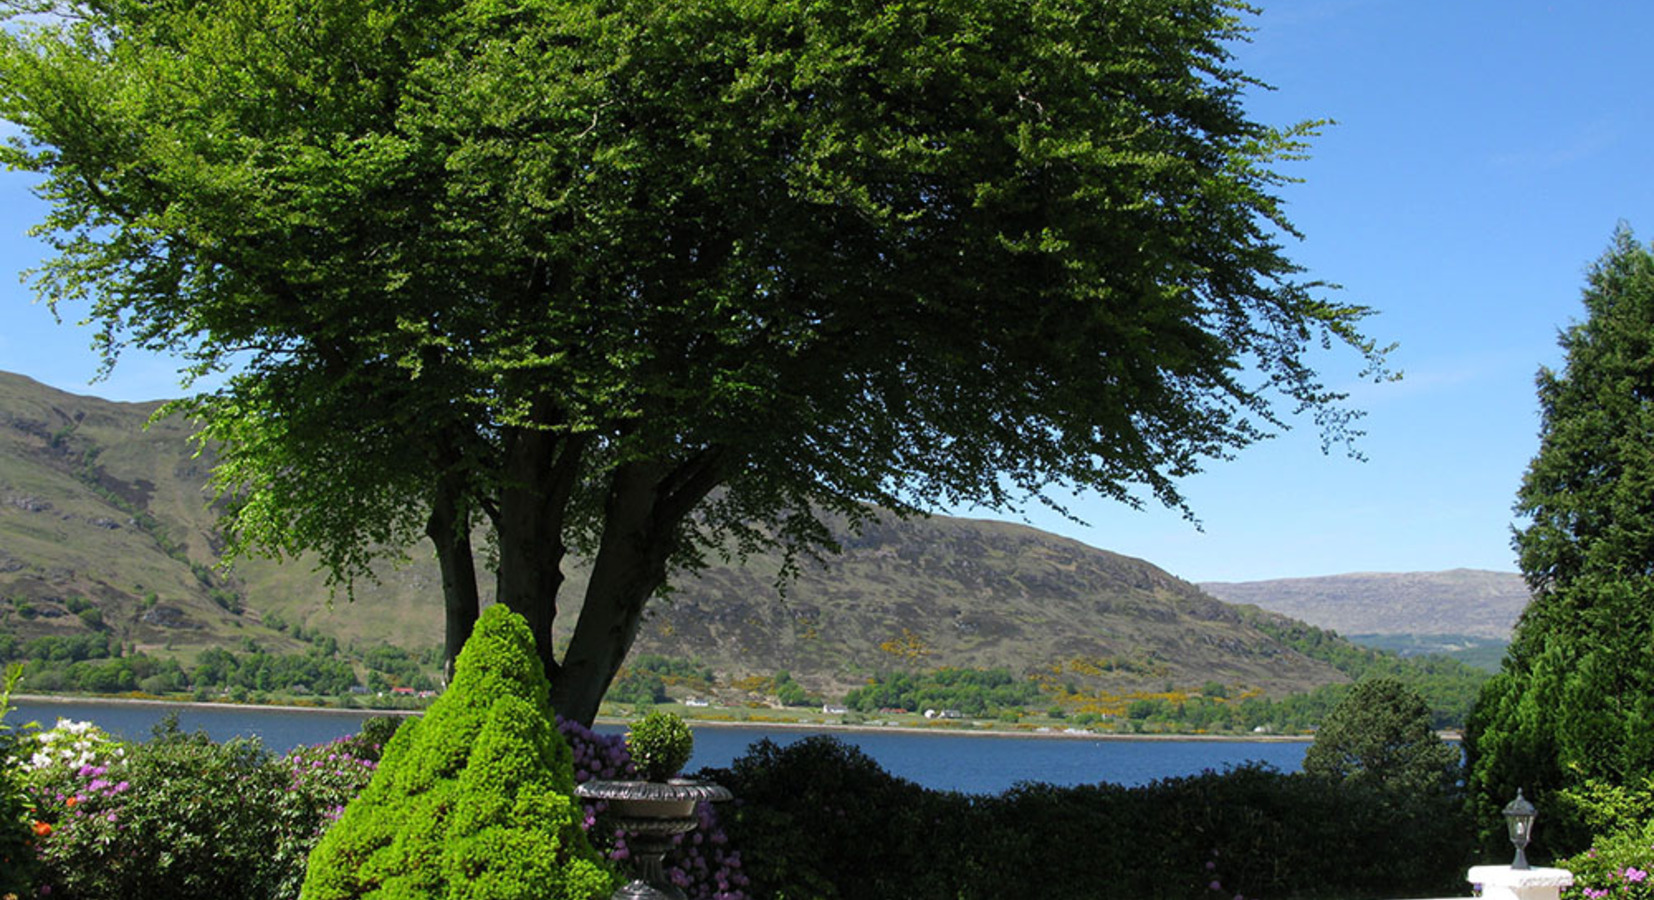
[[17, 821], [820, 819], [1250, 830], [472, 802], [375, 735], [321, 780], [178, 817], [1619, 863], [181, 816], [660, 744]]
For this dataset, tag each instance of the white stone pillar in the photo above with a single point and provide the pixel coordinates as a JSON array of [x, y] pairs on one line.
[[1505, 883]]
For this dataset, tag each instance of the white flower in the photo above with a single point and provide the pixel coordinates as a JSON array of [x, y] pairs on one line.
[[75, 744]]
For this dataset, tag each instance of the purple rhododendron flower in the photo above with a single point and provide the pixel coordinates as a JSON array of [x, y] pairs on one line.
[[697, 865]]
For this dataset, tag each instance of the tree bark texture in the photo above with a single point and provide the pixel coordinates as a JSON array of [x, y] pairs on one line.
[[646, 506], [449, 528], [540, 468]]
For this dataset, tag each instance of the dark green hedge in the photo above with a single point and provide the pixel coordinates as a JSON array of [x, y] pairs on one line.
[[820, 819]]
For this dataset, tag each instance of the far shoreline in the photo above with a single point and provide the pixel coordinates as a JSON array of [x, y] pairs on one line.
[[947, 731], [807, 727], [92, 700]]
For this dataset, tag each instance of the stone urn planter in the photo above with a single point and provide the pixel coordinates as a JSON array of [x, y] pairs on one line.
[[656, 808], [651, 813]]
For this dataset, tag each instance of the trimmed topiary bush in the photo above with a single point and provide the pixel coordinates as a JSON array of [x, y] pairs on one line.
[[660, 744], [472, 802]]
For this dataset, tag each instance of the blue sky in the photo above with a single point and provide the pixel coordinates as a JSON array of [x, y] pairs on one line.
[[1483, 155]]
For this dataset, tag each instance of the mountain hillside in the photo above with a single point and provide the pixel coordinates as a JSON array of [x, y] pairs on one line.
[[104, 526], [1466, 602], [958, 592]]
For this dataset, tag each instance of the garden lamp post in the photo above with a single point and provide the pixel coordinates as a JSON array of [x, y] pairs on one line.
[[1519, 816]]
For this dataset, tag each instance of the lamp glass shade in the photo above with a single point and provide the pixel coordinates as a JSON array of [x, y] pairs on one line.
[[1519, 816]]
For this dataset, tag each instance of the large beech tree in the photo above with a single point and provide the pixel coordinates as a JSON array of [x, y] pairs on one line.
[[643, 278], [1574, 700]]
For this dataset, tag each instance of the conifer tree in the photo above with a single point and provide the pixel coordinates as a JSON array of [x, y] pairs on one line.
[[472, 802], [1575, 698], [1380, 735]]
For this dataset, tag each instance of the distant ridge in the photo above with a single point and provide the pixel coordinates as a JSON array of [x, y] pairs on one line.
[[1469, 602]]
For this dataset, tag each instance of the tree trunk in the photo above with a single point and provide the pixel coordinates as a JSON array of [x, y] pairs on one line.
[[630, 565], [449, 529], [539, 476], [646, 505]]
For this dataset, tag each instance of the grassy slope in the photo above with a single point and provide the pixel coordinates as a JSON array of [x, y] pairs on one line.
[[1479, 652], [91, 505]]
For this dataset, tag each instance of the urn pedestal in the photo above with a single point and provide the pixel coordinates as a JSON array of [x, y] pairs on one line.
[[651, 813]]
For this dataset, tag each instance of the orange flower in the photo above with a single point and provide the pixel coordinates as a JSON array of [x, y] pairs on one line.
[[71, 801], [42, 829]]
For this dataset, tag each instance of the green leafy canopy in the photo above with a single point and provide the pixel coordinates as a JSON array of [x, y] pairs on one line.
[[667, 275]]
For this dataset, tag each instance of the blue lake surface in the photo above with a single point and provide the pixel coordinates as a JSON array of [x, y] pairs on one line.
[[976, 764]]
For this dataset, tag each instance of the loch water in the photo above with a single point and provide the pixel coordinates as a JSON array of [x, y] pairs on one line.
[[969, 763]]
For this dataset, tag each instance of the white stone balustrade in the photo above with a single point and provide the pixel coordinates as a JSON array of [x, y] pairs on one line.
[[1506, 883]]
